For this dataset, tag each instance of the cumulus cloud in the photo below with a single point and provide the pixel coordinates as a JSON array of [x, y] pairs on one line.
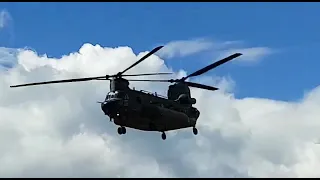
[[59, 130]]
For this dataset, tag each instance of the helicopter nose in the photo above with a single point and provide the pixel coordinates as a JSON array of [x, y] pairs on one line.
[[109, 107]]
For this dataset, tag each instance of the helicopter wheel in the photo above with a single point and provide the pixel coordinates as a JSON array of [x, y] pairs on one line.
[[163, 136], [195, 131], [121, 130]]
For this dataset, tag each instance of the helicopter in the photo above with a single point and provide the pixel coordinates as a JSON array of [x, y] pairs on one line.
[[146, 111]]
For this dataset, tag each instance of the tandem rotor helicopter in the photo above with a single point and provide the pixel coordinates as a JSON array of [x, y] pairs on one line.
[[146, 111]]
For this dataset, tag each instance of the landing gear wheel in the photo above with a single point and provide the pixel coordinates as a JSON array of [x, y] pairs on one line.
[[123, 130], [195, 131], [163, 136], [119, 130]]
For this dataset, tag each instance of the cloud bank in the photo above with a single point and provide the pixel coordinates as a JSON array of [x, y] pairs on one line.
[[59, 130]]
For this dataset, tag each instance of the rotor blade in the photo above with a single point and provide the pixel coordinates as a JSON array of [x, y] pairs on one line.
[[191, 84], [143, 58], [146, 74], [213, 65], [59, 81], [201, 86], [149, 80]]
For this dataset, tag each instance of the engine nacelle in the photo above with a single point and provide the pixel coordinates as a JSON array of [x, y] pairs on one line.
[[185, 99]]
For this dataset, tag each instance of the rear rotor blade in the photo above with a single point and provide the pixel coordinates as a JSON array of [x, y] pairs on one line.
[[151, 80], [191, 84], [213, 65], [201, 86], [141, 59], [59, 81]]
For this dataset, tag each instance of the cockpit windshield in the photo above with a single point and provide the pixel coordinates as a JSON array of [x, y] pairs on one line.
[[110, 95], [115, 94]]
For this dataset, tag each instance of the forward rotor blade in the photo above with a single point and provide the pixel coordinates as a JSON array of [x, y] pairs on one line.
[[59, 81], [213, 65], [201, 86], [146, 74], [143, 58]]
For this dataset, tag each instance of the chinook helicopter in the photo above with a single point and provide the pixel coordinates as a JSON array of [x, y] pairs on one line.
[[147, 111]]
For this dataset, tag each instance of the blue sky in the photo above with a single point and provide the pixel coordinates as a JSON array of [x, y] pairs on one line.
[[291, 29]]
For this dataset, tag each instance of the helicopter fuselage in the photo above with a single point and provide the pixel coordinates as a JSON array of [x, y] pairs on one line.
[[148, 112]]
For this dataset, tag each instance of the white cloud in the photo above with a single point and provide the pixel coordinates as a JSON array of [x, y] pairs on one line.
[[5, 18], [182, 48], [252, 54], [59, 130], [220, 49], [8, 57], [6, 29]]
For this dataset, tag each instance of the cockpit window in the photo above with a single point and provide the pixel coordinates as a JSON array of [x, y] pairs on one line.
[[116, 94], [120, 94], [109, 95]]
